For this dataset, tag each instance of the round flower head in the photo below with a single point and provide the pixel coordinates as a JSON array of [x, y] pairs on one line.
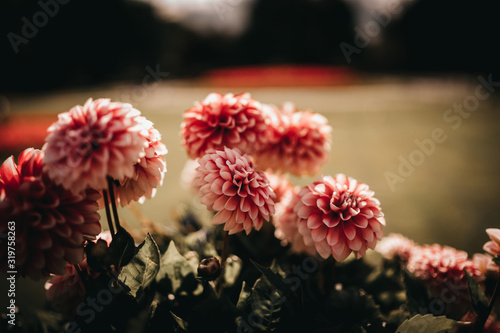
[[439, 266], [493, 246], [396, 245], [286, 223], [234, 121], [298, 141], [229, 185], [148, 173], [340, 216], [51, 222], [90, 142], [66, 292]]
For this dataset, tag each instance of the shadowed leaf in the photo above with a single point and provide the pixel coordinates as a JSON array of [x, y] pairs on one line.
[[138, 274]]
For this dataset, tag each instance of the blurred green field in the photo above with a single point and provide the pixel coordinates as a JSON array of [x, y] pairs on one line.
[[451, 195], [450, 198]]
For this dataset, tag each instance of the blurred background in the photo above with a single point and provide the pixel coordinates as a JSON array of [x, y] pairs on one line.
[[387, 74]]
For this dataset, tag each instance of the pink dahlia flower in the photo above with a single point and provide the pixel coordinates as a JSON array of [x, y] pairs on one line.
[[340, 216], [442, 267], [90, 142], [188, 174], [51, 223], [280, 184], [286, 224], [493, 246], [66, 292], [148, 173], [230, 185], [234, 121], [484, 263], [396, 245], [298, 141]]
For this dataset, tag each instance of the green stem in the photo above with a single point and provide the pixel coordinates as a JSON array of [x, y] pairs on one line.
[[108, 212], [223, 259], [479, 326], [113, 201]]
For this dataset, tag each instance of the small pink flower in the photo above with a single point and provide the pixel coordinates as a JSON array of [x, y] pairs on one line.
[[90, 142], [51, 223], [340, 216], [188, 174], [298, 141], [66, 292], [442, 267], [493, 246], [484, 263], [286, 224], [234, 121], [396, 245], [230, 185], [148, 173], [492, 325]]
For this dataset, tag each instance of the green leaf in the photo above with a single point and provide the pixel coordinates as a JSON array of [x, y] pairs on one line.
[[244, 297], [122, 248], [177, 273], [277, 281], [477, 296], [265, 305], [416, 294], [427, 324], [179, 321], [142, 269]]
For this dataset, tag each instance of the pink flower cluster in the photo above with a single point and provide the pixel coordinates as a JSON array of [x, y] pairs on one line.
[[285, 140], [437, 265], [105, 139], [441, 268], [51, 222]]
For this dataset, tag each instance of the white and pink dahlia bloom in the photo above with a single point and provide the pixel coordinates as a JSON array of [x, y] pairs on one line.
[[90, 142], [229, 185], [297, 141], [234, 121], [149, 171], [286, 224], [51, 222], [340, 216], [396, 246]]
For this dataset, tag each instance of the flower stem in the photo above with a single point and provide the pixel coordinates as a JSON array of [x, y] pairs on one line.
[[113, 201], [108, 212], [479, 326], [223, 259]]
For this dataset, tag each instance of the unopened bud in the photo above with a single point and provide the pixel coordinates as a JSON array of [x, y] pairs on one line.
[[209, 269]]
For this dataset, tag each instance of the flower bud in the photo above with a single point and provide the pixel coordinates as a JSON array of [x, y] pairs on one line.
[[209, 269]]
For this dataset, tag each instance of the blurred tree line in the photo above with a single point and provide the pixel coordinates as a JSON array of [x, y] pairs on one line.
[[48, 44]]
